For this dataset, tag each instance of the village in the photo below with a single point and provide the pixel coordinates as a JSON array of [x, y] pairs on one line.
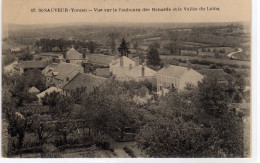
[[72, 98]]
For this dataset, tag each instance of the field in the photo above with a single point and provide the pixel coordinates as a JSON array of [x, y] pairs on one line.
[[10, 45], [213, 60]]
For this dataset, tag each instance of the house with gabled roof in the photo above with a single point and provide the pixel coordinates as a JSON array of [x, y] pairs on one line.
[[34, 90], [75, 57], [141, 73], [121, 65], [87, 81], [177, 77], [31, 65], [60, 74]]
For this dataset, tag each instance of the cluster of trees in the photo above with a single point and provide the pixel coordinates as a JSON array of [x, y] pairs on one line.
[[193, 123], [18, 85], [60, 117], [197, 122], [47, 45]]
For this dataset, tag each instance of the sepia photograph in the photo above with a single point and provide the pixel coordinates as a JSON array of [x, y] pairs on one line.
[[126, 79]]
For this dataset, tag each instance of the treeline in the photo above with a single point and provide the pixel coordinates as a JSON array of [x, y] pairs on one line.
[[59, 45]]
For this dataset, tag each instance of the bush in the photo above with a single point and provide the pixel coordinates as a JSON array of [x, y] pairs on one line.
[[103, 144]]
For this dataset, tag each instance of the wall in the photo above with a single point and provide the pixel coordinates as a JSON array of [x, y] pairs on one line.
[[191, 76]]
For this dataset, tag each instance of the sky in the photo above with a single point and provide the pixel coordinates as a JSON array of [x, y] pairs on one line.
[[19, 11]]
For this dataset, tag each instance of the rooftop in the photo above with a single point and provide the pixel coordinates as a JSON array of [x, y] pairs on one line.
[[84, 80], [50, 90], [50, 54], [124, 59], [34, 90], [102, 71], [34, 64], [74, 54], [62, 70], [137, 72], [172, 70], [100, 58]]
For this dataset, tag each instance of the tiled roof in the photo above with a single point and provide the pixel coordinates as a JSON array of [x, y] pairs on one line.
[[124, 59], [74, 54], [84, 80], [137, 72], [50, 54], [174, 71], [34, 64], [102, 71], [34, 90], [100, 58], [63, 69], [50, 90]]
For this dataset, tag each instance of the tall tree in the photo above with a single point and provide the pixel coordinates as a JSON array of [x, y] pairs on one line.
[[124, 48], [92, 46], [153, 54], [113, 36]]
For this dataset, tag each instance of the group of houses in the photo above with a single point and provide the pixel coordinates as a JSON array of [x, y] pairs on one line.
[[126, 69], [74, 72]]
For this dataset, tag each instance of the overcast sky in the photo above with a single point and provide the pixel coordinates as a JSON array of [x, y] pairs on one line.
[[19, 11]]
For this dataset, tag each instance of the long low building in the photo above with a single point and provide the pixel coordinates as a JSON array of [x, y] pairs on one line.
[[87, 81], [59, 75], [31, 65], [177, 77]]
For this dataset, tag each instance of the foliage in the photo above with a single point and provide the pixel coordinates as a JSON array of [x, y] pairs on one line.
[[8, 58], [92, 46], [193, 123], [26, 54], [153, 54], [123, 49], [113, 36]]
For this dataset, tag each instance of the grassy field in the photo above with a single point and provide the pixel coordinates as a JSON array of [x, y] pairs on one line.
[[214, 60], [9, 45]]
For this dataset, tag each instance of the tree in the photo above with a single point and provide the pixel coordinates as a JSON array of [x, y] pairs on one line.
[[92, 46], [213, 97], [43, 127], [124, 48], [153, 55], [26, 55], [113, 36], [51, 99]]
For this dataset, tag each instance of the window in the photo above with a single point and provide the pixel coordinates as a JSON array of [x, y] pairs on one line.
[[130, 66]]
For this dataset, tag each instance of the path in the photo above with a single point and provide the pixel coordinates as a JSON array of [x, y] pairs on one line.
[[230, 55]]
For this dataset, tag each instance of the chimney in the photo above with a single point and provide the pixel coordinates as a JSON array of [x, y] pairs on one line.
[[130, 66], [188, 65], [121, 62], [143, 71]]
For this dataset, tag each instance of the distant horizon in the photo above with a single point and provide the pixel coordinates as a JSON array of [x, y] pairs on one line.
[[131, 22]]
